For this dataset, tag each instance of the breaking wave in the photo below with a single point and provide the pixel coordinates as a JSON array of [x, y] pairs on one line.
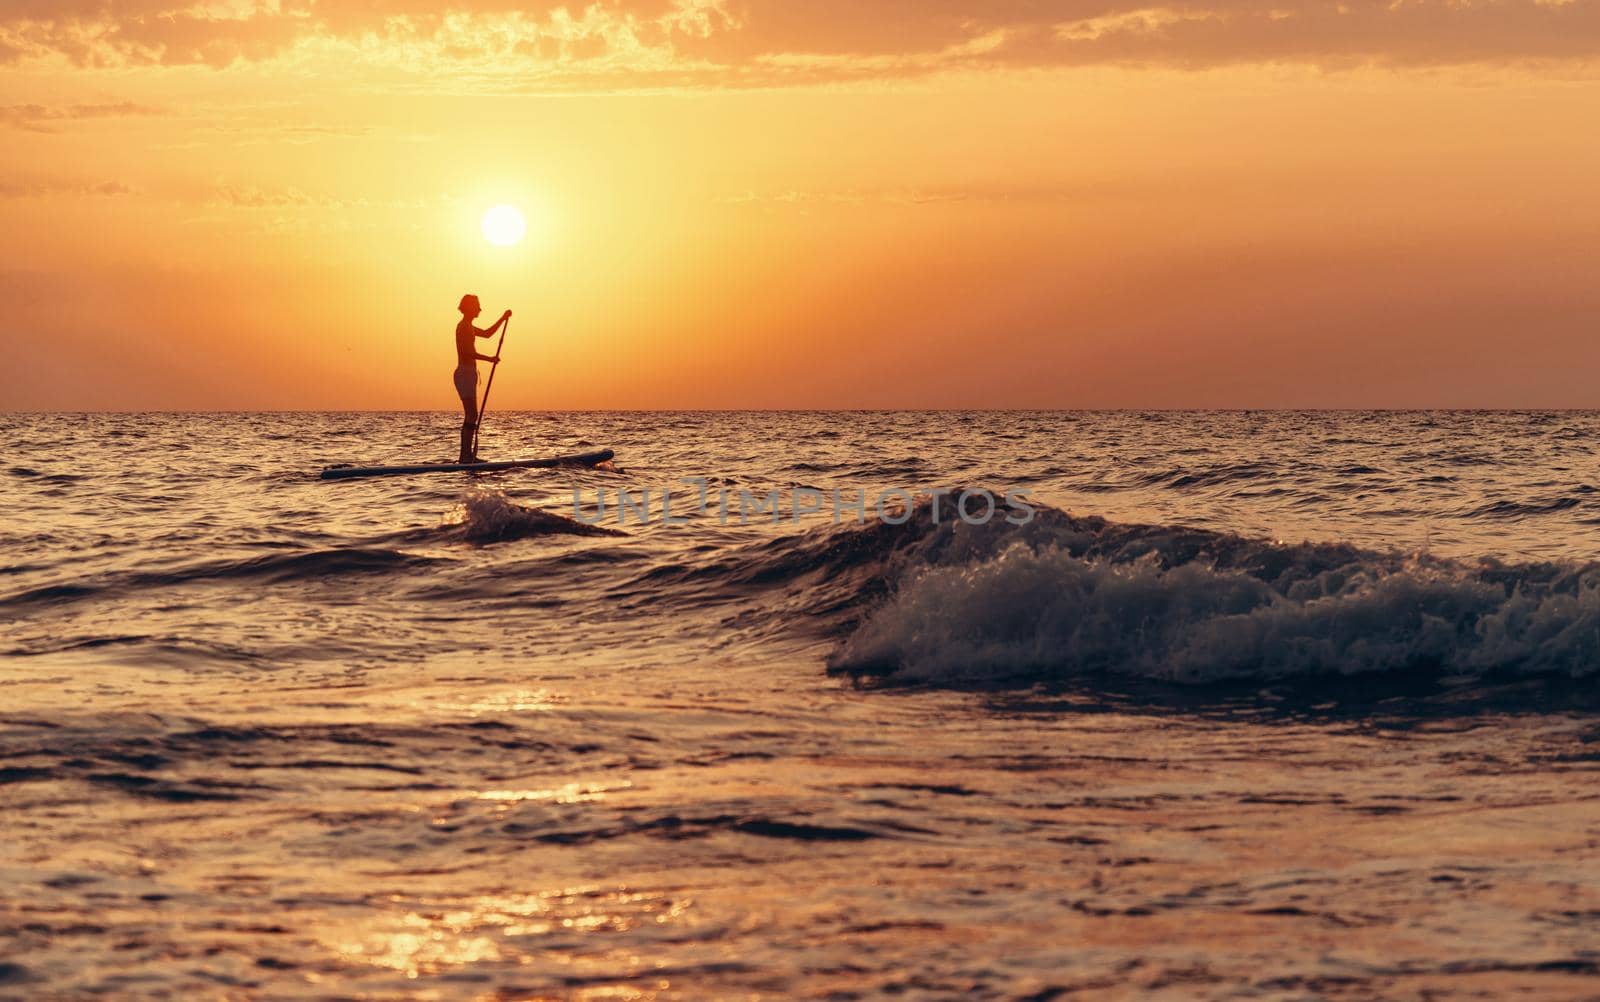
[[1068, 597], [488, 516]]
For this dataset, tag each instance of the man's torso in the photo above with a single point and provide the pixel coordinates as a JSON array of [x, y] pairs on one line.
[[466, 343]]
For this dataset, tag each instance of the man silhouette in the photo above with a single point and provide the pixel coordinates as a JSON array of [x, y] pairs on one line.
[[466, 375]]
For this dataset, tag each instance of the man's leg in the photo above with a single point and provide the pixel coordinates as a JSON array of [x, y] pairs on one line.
[[469, 425]]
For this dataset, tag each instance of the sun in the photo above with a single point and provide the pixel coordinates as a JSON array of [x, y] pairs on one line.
[[504, 226]]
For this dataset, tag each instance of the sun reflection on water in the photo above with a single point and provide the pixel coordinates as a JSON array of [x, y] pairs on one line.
[[516, 701], [510, 929], [571, 793]]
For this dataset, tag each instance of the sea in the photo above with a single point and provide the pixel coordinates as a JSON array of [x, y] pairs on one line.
[[821, 705]]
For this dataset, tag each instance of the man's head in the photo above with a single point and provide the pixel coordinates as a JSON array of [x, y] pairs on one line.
[[469, 306]]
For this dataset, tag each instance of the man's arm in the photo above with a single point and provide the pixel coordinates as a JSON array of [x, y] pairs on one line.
[[495, 328]]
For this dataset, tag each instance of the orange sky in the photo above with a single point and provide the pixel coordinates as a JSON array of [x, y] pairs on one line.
[[841, 203]]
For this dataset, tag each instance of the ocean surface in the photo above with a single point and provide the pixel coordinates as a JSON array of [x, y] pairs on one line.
[[1215, 705]]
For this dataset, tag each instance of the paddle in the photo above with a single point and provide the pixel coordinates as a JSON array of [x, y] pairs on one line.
[[483, 407]]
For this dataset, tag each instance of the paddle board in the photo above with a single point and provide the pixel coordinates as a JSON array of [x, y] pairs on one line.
[[580, 459]]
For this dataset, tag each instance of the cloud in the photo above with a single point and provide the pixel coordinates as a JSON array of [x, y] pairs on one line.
[[251, 197], [48, 189], [851, 197], [226, 195], [43, 118], [841, 38], [252, 133], [641, 43], [296, 211]]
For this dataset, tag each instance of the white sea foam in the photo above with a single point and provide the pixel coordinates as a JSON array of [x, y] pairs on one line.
[[1040, 611], [488, 516]]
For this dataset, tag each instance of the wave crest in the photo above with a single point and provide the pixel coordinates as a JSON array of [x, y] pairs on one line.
[[1073, 597], [488, 516]]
